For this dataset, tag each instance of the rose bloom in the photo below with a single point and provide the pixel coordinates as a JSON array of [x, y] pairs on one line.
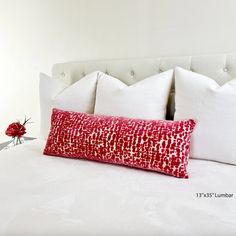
[[15, 130]]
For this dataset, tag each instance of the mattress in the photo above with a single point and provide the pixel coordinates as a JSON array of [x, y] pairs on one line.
[[42, 195]]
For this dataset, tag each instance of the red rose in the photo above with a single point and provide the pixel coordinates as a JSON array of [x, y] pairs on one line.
[[15, 130]]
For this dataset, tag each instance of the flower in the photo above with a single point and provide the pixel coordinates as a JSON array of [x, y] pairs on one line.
[[15, 130]]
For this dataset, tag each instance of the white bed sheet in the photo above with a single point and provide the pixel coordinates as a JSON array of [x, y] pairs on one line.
[[42, 195]]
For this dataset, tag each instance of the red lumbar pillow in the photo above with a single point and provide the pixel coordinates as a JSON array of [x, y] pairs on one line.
[[156, 145]]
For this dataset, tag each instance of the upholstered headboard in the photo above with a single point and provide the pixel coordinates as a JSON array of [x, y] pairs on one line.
[[221, 67]]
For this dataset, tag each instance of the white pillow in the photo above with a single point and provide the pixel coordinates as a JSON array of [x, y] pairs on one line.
[[214, 109], [54, 93], [146, 99]]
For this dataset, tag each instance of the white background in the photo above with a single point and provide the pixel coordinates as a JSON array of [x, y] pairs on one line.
[[35, 34]]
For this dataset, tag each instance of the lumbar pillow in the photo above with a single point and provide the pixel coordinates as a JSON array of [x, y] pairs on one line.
[[54, 93], [146, 99], [214, 109], [161, 146]]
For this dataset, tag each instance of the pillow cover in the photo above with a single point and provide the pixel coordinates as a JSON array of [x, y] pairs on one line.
[[161, 146], [214, 108], [146, 99], [54, 93]]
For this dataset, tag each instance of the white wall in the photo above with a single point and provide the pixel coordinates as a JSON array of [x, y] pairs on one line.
[[34, 34]]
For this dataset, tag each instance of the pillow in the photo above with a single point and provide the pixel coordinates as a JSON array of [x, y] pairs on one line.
[[161, 146], [54, 93], [214, 109], [146, 99]]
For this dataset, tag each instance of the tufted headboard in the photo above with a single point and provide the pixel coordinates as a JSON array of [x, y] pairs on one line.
[[221, 67]]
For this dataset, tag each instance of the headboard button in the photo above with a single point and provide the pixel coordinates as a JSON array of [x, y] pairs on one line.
[[226, 69], [83, 74], [63, 74], [132, 73], [106, 72]]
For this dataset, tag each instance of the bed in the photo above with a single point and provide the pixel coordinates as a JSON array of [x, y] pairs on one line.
[[42, 195]]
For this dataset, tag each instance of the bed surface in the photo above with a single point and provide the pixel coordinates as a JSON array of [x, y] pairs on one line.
[[42, 195]]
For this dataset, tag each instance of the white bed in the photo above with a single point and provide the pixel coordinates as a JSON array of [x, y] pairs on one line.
[[42, 195]]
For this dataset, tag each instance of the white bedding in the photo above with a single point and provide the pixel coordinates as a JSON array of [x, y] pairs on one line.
[[41, 195]]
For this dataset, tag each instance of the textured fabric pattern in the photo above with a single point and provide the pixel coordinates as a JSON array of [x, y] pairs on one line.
[[161, 146]]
